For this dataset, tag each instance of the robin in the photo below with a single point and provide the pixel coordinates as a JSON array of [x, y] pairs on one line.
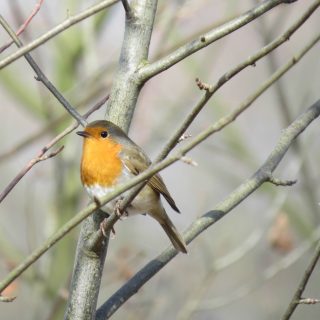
[[110, 158]]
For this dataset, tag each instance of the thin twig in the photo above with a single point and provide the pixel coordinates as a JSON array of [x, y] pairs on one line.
[[202, 85], [33, 13], [150, 70], [42, 77], [302, 285], [24, 25], [280, 182], [189, 161], [25, 169], [6, 299], [308, 301], [41, 155], [184, 137], [56, 30]]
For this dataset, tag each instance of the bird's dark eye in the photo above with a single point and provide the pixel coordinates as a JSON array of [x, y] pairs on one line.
[[104, 134]]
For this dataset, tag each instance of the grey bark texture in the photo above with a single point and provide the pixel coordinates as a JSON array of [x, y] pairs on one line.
[[88, 267]]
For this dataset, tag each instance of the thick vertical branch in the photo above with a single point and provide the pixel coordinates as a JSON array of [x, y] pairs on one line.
[[87, 273], [88, 267], [134, 53]]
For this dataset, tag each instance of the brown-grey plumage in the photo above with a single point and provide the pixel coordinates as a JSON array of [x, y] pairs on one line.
[[135, 161]]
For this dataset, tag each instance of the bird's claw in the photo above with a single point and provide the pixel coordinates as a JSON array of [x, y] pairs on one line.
[[103, 227], [97, 201], [118, 211]]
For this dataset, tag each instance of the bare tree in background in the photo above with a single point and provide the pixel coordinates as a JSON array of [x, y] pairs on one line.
[[176, 68]]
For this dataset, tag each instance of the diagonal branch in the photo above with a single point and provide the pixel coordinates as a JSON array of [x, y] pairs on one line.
[[296, 299], [27, 168], [41, 76], [152, 69], [6, 299], [24, 25], [237, 196], [308, 301], [72, 20]]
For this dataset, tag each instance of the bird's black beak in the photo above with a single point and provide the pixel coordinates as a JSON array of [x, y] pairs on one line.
[[84, 134]]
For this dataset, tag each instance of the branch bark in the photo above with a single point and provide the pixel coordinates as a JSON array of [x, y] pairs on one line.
[[296, 299], [237, 196], [25, 24], [152, 69], [88, 268]]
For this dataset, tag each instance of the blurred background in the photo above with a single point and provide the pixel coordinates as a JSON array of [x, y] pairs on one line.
[[247, 265]]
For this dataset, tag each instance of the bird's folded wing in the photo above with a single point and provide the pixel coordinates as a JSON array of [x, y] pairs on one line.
[[137, 162]]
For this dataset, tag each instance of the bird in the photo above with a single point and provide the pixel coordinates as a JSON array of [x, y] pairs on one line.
[[109, 158]]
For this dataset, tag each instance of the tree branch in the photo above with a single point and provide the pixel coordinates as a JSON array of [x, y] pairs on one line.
[[41, 76], [25, 24], [6, 299], [237, 196], [27, 168], [296, 299], [150, 70], [279, 182], [308, 301], [123, 98], [72, 20], [134, 52]]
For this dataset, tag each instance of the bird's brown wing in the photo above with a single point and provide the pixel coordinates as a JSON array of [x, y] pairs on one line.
[[136, 161]]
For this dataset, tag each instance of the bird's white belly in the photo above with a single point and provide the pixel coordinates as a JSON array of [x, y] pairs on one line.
[[139, 205]]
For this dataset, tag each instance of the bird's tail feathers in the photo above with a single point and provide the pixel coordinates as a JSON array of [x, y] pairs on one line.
[[174, 235]]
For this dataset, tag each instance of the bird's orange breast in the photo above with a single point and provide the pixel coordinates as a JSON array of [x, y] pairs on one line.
[[100, 162]]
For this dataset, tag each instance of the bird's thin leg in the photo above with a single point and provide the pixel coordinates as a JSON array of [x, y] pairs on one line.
[[119, 212], [103, 226]]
